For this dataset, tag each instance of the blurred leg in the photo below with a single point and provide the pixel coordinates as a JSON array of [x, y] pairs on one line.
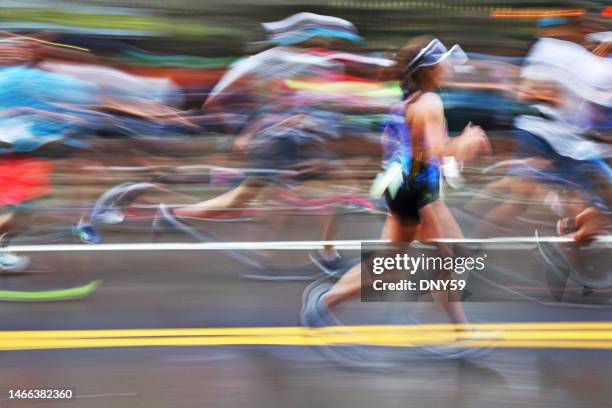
[[329, 232], [242, 195], [438, 222], [521, 191], [349, 286]]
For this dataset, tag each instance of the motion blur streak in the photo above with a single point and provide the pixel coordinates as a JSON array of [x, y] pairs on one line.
[[56, 44], [535, 13]]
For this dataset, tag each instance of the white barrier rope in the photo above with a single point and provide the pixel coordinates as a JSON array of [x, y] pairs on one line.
[[275, 245]]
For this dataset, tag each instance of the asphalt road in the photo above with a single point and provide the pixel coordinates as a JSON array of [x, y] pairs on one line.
[[187, 289]]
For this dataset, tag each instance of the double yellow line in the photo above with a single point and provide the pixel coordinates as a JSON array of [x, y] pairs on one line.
[[583, 335]]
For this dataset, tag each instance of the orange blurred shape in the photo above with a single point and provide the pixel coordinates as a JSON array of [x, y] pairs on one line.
[[537, 13], [607, 12]]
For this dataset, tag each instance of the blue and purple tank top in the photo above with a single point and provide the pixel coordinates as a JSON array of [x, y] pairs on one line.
[[397, 148]]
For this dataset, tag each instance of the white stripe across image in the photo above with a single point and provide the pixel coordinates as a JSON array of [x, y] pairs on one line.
[[279, 245]]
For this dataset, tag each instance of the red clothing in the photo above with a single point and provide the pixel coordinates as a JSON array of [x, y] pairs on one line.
[[23, 179]]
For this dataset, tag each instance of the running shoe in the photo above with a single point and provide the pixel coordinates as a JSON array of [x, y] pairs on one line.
[[88, 234], [561, 266], [314, 312], [12, 262], [331, 267]]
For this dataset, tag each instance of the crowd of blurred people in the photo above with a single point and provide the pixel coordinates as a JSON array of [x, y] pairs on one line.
[[311, 85]]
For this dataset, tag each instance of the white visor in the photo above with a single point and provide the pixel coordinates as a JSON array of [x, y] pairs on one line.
[[434, 53]]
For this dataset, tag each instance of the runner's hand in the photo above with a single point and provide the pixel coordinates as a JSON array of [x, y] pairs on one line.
[[472, 143], [603, 49], [589, 223]]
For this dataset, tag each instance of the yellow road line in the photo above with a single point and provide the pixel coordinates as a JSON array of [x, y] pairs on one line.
[[601, 345], [32, 344], [301, 331], [530, 335]]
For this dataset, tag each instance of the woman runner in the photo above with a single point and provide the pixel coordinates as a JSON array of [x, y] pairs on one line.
[[415, 143]]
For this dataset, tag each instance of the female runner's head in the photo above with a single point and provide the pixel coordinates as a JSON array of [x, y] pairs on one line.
[[422, 64]]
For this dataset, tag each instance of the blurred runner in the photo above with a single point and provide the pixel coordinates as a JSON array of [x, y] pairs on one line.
[[285, 135], [415, 143], [570, 93], [34, 113]]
